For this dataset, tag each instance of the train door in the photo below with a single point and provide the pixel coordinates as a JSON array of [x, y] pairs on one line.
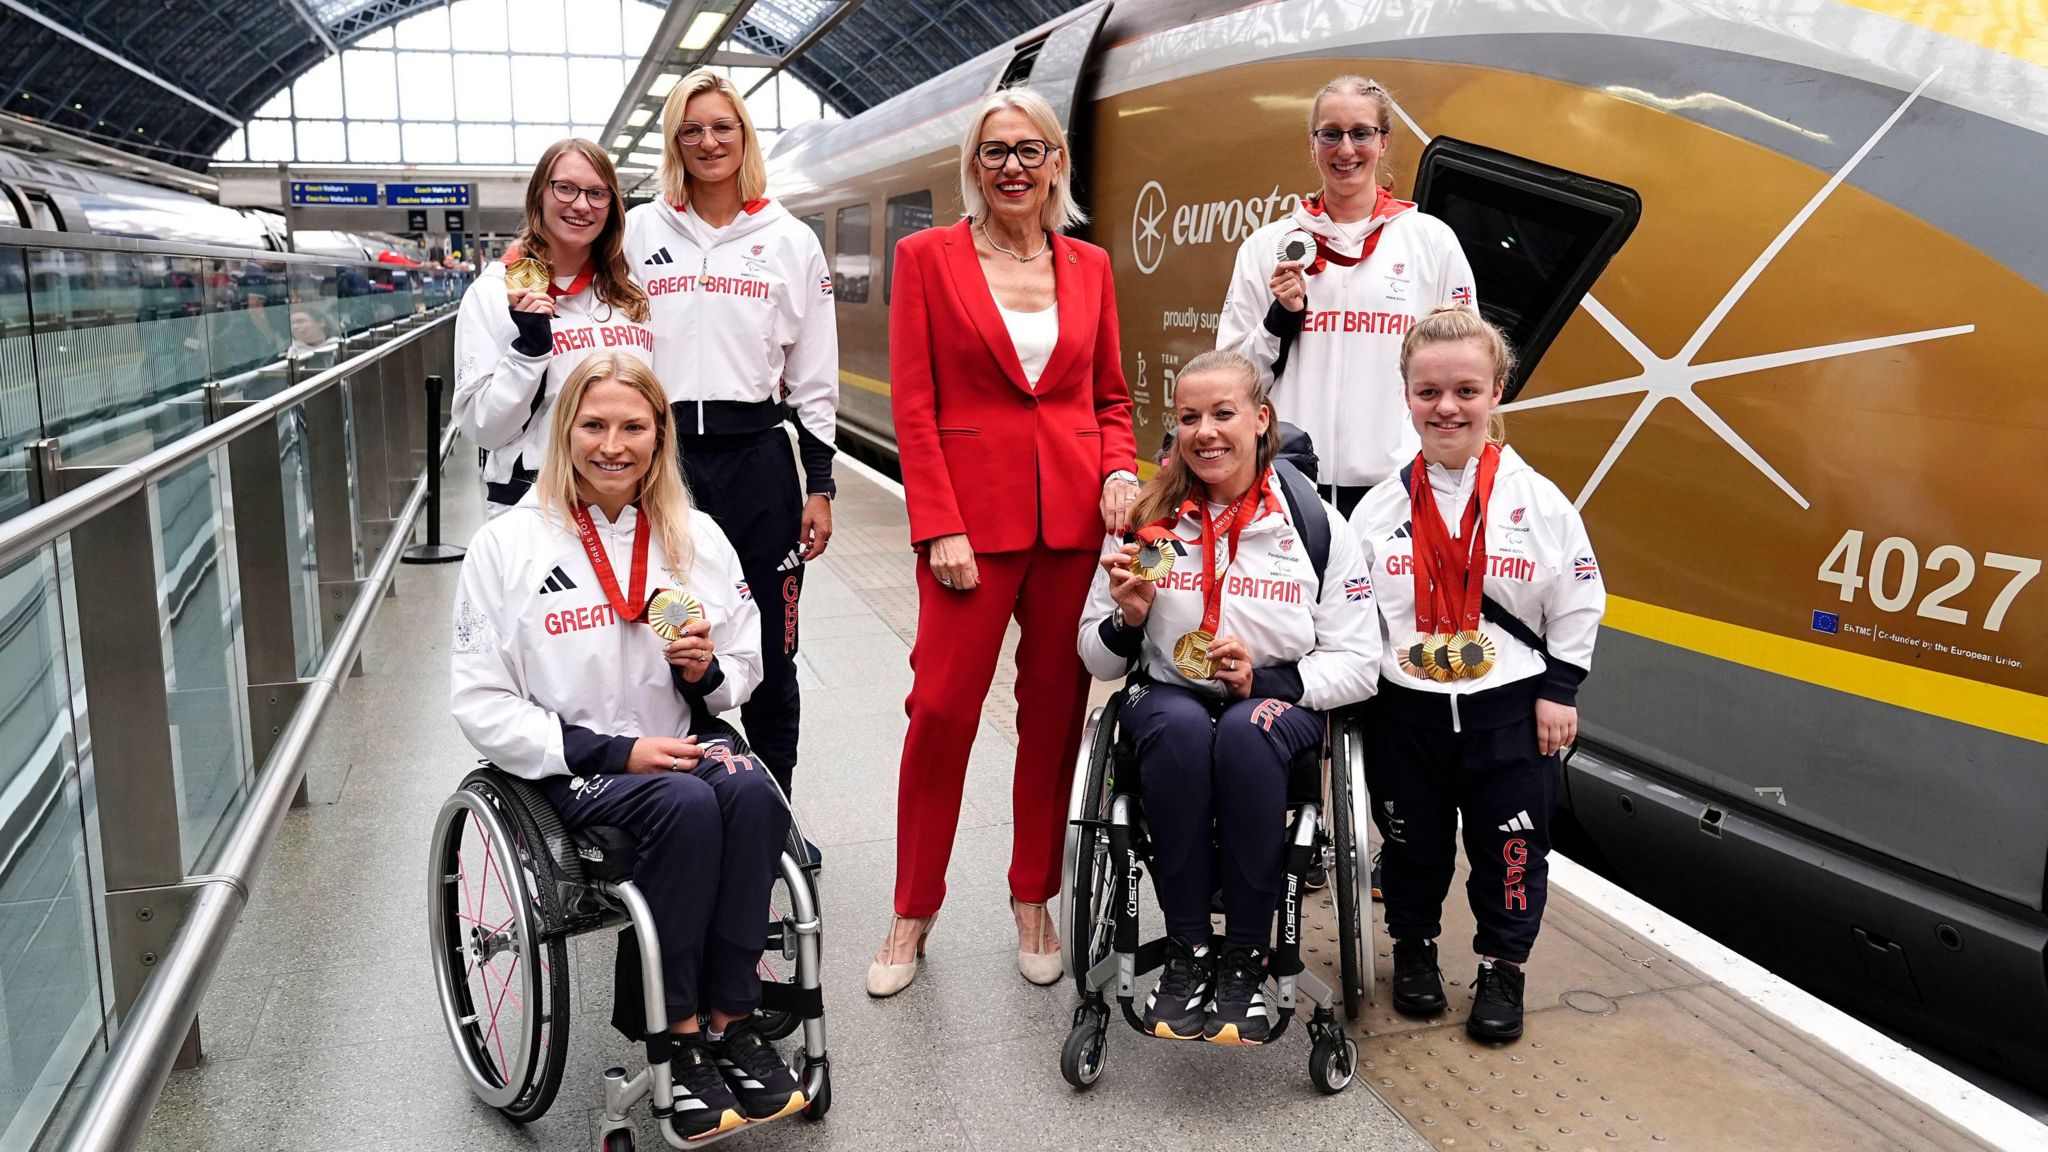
[[1053, 64], [1537, 236]]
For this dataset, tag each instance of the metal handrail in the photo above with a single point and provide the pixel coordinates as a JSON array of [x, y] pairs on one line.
[[42, 525], [16, 237], [115, 1115]]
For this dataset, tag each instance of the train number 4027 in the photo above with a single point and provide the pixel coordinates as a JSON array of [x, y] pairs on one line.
[[1894, 575]]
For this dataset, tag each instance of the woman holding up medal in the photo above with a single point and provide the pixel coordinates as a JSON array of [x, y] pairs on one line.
[[744, 339], [1235, 646], [1491, 597], [563, 293], [1320, 298], [600, 627], [1013, 426]]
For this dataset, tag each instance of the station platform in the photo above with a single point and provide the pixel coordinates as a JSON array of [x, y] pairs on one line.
[[321, 1031]]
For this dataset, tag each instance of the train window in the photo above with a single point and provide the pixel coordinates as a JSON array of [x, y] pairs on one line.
[[1019, 69], [910, 212], [852, 262], [816, 223], [1537, 236], [43, 213]]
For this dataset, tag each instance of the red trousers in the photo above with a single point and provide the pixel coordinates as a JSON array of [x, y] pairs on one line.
[[959, 637]]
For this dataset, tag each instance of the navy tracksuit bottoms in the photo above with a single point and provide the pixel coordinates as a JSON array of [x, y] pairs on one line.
[[1213, 774], [1425, 768], [749, 484], [708, 842]]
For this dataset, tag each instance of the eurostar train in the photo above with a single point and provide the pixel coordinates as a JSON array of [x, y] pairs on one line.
[[1777, 276]]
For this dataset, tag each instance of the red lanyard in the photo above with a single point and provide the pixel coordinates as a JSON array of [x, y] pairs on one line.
[[1384, 204], [1241, 511], [628, 610], [581, 282], [1450, 582]]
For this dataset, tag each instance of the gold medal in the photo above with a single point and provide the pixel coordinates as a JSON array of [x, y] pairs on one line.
[[1191, 656], [1153, 561], [1471, 654], [528, 275], [669, 610], [1436, 658]]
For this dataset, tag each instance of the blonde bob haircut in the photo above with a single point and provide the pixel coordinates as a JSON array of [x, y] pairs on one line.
[[1061, 212], [663, 498], [1457, 324], [675, 179]]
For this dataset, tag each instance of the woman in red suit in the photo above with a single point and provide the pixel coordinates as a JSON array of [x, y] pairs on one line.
[[1013, 425]]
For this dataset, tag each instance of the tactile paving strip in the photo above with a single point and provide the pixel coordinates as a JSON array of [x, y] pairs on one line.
[[1626, 1047]]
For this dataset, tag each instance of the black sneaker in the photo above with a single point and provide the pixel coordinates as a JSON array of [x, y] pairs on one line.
[[704, 1105], [1377, 893], [1178, 1008], [1239, 1014], [1418, 984], [1317, 877], [1496, 1002], [764, 1086]]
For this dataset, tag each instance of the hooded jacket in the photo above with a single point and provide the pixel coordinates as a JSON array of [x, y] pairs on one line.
[[742, 318], [1341, 379], [1312, 643], [1539, 566], [547, 681], [509, 367]]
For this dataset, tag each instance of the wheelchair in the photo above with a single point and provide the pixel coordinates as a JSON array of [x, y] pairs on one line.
[[1107, 851], [508, 885]]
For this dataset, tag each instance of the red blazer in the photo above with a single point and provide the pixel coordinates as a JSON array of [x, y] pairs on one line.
[[981, 452]]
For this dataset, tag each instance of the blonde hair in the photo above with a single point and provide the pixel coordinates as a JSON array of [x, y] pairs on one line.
[[1061, 210], [675, 178], [663, 498], [1175, 481], [611, 274], [1383, 172], [1455, 324]]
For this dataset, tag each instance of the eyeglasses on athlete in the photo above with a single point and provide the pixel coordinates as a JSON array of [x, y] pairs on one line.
[[723, 131], [1361, 136], [566, 193]]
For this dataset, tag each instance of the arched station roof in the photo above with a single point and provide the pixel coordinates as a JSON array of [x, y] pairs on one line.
[[171, 79]]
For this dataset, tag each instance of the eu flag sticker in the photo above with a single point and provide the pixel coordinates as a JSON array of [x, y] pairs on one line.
[[1828, 622]]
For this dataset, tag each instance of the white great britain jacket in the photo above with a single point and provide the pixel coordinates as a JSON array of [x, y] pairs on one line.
[[742, 318], [1317, 645], [507, 378], [547, 681], [1539, 566], [1342, 380]]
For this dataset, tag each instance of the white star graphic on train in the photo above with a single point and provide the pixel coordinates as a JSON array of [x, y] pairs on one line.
[[1673, 377], [1148, 242]]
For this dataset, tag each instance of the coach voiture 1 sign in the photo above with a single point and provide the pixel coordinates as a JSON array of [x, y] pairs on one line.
[[333, 192], [426, 195]]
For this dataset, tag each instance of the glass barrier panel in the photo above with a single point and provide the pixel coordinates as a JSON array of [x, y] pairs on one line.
[[52, 994], [301, 555], [204, 670], [248, 317], [21, 414]]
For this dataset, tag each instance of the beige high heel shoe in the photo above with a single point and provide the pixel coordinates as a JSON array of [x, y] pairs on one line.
[[1036, 964], [886, 979]]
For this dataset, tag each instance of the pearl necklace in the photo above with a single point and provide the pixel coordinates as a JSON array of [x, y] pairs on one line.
[[1012, 255]]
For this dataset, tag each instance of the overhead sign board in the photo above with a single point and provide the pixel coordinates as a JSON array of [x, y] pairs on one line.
[[426, 195], [334, 192]]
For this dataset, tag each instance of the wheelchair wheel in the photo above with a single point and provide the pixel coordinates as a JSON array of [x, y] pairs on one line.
[[1087, 879], [1081, 1057], [502, 977], [778, 959], [1332, 1062], [1349, 818]]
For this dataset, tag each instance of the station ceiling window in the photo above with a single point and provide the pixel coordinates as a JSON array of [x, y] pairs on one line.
[[475, 82]]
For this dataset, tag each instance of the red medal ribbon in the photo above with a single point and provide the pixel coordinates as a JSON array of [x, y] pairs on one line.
[[1242, 511], [1450, 582], [629, 611], [582, 281]]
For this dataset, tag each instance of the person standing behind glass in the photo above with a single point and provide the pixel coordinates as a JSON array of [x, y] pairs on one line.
[[563, 292], [1013, 425], [1324, 318], [744, 337]]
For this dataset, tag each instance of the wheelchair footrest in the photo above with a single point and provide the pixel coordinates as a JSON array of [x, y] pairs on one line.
[[807, 1003]]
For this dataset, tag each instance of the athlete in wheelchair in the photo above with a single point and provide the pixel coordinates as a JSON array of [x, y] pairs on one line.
[[1240, 619], [600, 627]]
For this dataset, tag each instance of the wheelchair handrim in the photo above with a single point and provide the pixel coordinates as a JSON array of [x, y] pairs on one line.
[[446, 879]]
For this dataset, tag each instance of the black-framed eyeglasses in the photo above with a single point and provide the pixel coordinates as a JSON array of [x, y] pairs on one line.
[[994, 154], [566, 193], [723, 131], [1361, 136]]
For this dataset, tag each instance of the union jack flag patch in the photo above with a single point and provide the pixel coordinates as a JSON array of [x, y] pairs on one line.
[[825, 285], [745, 592], [1585, 568], [1461, 295], [1358, 588]]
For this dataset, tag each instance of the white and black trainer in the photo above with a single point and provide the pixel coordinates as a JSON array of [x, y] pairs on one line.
[[1239, 1014], [704, 1105], [1178, 1008], [764, 1086]]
